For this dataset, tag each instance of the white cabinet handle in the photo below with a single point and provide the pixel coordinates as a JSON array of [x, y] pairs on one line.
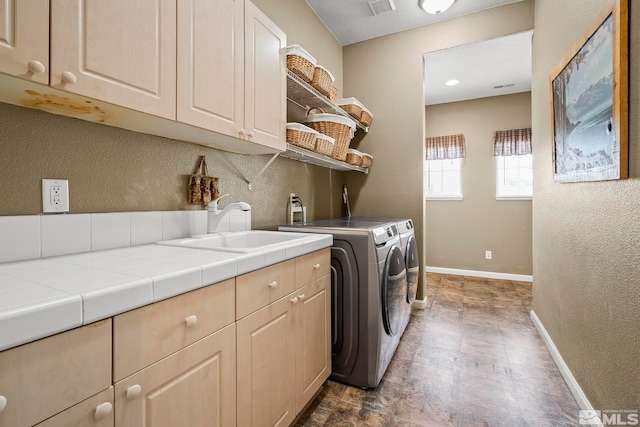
[[191, 321], [250, 134], [294, 300], [316, 266], [103, 410], [133, 392], [242, 132], [69, 77], [273, 284], [36, 67], [301, 296], [3, 403]]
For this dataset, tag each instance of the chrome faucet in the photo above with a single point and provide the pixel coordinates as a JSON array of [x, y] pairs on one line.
[[234, 217]]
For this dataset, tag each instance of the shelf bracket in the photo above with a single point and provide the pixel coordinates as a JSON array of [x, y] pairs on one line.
[[264, 168]]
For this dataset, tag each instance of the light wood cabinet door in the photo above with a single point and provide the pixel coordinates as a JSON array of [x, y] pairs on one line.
[[24, 39], [118, 51], [211, 64], [96, 411], [313, 339], [266, 366], [194, 387], [312, 266], [259, 288], [45, 377], [147, 334], [265, 79]]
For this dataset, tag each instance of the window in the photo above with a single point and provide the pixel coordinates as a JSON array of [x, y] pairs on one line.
[[514, 176], [443, 179], [442, 173], [514, 169]]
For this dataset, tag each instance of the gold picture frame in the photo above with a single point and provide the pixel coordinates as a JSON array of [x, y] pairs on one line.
[[589, 101]]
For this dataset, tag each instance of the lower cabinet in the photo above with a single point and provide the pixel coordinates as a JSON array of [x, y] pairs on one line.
[[96, 411], [283, 356], [195, 386]]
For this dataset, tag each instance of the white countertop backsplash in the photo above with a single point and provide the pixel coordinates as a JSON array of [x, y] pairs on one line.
[[58, 272]]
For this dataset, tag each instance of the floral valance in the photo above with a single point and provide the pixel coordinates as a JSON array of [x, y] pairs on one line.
[[445, 147], [514, 142]]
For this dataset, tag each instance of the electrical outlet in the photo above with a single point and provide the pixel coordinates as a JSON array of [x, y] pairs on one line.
[[488, 255], [55, 195]]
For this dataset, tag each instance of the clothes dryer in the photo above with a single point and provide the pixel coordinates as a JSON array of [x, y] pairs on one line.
[[409, 252], [368, 296]]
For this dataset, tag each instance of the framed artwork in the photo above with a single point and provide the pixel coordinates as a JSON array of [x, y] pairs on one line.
[[589, 96]]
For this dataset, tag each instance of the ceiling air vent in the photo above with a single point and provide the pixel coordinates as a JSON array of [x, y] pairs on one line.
[[381, 6], [504, 86]]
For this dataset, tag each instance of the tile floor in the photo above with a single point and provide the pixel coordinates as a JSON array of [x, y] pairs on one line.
[[472, 358]]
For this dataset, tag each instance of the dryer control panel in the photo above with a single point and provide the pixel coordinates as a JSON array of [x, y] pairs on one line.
[[383, 234]]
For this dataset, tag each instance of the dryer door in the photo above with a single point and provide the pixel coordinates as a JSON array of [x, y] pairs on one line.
[[344, 308], [394, 292], [413, 268]]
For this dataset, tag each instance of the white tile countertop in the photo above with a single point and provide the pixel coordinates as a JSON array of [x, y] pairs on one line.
[[46, 296]]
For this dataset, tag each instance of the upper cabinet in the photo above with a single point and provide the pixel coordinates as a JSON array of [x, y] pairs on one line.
[[24, 39], [211, 72], [121, 51], [232, 71]]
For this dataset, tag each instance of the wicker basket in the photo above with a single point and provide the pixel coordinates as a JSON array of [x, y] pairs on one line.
[[333, 94], [301, 135], [300, 62], [324, 144], [338, 127], [356, 110], [367, 159], [354, 157], [322, 80]]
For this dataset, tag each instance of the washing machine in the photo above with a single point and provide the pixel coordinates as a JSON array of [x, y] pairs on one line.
[[409, 249], [368, 296]]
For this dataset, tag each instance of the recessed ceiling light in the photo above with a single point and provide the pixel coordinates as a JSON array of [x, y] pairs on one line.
[[435, 6], [452, 82]]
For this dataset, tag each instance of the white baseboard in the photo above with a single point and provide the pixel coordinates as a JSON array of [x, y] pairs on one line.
[[575, 388], [420, 304], [477, 273]]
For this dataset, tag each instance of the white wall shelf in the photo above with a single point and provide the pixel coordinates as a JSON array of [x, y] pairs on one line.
[[305, 96], [302, 155]]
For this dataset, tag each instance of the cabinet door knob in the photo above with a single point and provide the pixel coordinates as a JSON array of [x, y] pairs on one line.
[[103, 410], [294, 300], [69, 77], [242, 132], [301, 296], [191, 320], [133, 392], [273, 284], [3, 403], [36, 67], [316, 266], [250, 134]]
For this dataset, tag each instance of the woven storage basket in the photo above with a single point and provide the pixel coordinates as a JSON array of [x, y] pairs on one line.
[[333, 94], [322, 80], [300, 62], [356, 110], [324, 144], [338, 127], [367, 159], [354, 157], [301, 135]]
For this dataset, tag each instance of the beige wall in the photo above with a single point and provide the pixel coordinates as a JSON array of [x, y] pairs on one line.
[[459, 232], [386, 75], [111, 169], [586, 249]]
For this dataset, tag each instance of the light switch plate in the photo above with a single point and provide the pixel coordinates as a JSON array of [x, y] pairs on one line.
[[55, 195]]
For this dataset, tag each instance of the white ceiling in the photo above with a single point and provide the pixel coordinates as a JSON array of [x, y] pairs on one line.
[[479, 66]]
